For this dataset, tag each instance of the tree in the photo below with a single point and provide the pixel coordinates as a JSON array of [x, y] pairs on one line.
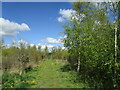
[[45, 53], [114, 7], [90, 39]]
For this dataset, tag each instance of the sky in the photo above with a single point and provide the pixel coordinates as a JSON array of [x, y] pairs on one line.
[[38, 23], [34, 22]]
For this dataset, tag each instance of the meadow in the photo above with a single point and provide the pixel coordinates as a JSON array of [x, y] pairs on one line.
[[90, 58], [48, 74]]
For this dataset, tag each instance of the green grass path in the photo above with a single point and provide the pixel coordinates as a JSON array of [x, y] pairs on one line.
[[49, 75]]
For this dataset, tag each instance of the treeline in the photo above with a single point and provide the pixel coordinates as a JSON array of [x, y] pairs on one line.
[[23, 58], [93, 43]]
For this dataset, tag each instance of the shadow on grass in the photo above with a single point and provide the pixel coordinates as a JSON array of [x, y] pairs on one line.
[[96, 79], [91, 77], [66, 68]]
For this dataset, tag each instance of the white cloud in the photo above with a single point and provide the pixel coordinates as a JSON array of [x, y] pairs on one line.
[[69, 14], [31, 45], [63, 37], [22, 41], [6, 45], [52, 40], [25, 43], [19, 43], [49, 46], [65, 14], [9, 28], [60, 19], [43, 46]]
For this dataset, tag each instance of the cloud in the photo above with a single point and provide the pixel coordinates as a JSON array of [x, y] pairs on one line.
[[69, 14], [31, 45], [43, 46], [65, 14], [25, 44], [6, 45], [60, 19], [19, 43], [48, 46], [9, 28], [52, 40]]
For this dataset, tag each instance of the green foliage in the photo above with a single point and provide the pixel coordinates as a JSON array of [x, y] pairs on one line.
[[20, 58], [90, 42], [59, 53], [48, 74], [15, 80], [24, 57]]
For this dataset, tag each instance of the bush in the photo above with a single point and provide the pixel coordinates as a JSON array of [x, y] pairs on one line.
[[15, 80]]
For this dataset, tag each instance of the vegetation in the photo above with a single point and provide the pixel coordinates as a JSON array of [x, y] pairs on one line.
[[26, 57], [19, 62], [91, 41], [91, 58], [48, 74]]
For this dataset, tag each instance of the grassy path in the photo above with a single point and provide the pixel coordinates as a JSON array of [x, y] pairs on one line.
[[49, 75]]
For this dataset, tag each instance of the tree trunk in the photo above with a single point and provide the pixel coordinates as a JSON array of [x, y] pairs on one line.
[[78, 67]]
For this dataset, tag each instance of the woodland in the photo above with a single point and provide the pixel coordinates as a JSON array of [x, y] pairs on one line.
[[91, 58]]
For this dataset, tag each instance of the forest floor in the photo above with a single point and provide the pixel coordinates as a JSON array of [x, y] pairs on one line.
[[49, 74]]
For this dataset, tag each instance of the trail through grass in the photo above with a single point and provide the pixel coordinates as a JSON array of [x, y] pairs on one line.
[[49, 75]]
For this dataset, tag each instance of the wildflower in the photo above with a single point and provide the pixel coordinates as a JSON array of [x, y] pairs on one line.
[[33, 81]]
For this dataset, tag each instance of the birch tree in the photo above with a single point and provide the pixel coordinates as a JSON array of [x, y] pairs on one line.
[[91, 39]]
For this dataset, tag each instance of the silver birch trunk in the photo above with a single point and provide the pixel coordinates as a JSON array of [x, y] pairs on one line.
[[78, 67]]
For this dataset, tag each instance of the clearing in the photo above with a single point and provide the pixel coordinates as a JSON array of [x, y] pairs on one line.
[[48, 74]]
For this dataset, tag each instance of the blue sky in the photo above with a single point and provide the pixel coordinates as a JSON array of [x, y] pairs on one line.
[[44, 19], [0, 9], [41, 17]]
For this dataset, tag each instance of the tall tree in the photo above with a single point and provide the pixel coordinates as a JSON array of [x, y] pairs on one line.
[[90, 39]]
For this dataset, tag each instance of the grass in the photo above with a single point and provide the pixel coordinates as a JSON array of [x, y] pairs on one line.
[[48, 74], [0, 81]]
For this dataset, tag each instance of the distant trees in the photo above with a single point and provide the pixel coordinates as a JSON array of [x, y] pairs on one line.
[[91, 44], [22, 56], [59, 53]]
